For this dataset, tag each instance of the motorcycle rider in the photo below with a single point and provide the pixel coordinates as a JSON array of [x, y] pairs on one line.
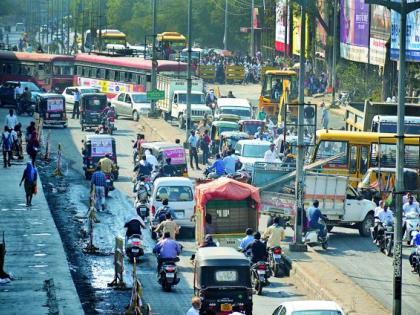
[[249, 238], [211, 98], [25, 99], [409, 206], [107, 165], [314, 214], [137, 146], [134, 225], [166, 250], [378, 210], [168, 226], [218, 167], [168, 169], [107, 113], [208, 242], [274, 234], [415, 242], [160, 215], [143, 168], [257, 249]]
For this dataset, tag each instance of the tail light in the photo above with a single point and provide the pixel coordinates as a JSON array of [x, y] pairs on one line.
[[170, 268], [153, 210], [212, 306], [136, 243], [261, 266], [89, 158], [277, 250]]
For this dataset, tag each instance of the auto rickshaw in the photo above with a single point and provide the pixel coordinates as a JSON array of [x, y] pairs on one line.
[[163, 150], [228, 140], [223, 281], [225, 208], [217, 128], [91, 108], [95, 147], [250, 126], [51, 108]]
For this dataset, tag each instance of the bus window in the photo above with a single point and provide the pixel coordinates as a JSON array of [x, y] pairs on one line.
[[117, 76], [327, 149], [112, 75], [122, 76], [353, 159], [128, 77], [364, 150], [135, 78], [102, 73], [107, 74], [86, 72], [79, 70]]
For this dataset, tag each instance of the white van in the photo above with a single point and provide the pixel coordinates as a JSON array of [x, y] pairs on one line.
[[180, 193], [233, 106]]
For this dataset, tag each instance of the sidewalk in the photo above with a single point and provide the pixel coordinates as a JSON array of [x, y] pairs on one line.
[[35, 254], [321, 280]]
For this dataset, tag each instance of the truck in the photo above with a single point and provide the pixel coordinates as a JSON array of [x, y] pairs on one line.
[[380, 117], [174, 105], [339, 202]]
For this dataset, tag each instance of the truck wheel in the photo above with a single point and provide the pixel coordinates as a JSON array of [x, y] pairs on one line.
[[136, 116], [181, 122], [365, 225]]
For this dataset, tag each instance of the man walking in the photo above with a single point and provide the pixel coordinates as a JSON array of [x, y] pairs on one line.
[[76, 104], [325, 118], [205, 147], [11, 120], [7, 142], [98, 183], [192, 142]]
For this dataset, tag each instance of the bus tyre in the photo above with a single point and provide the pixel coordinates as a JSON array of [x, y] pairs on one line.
[[365, 225], [136, 116]]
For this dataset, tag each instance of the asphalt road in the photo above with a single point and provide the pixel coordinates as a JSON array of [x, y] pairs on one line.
[[178, 301]]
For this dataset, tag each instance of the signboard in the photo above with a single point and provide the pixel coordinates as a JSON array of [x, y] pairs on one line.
[[155, 95], [354, 30], [277, 203], [177, 155], [413, 35], [380, 30], [100, 147], [296, 36], [55, 105], [282, 21]]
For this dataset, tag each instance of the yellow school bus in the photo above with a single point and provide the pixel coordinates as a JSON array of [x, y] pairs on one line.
[[279, 87], [170, 43], [359, 151]]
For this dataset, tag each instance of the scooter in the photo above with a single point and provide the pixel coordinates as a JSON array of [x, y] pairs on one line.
[[133, 247], [312, 237], [416, 257], [142, 209], [260, 272], [279, 265], [411, 221], [109, 184], [168, 275]]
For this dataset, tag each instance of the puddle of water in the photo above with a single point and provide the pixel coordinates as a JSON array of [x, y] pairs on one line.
[[38, 266], [41, 234], [40, 255]]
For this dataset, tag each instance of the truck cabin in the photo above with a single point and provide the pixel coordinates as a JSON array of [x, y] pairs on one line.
[[388, 124], [180, 97]]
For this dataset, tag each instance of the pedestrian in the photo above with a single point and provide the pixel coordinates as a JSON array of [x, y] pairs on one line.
[[97, 183], [325, 118], [195, 306], [11, 120], [18, 92], [192, 142], [30, 177], [7, 143], [76, 104], [205, 147], [32, 147]]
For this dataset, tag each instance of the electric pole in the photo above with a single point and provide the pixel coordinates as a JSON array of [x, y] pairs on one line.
[[154, 57], [403, 8], [334, 52], [297, 245], [226, 26], [252, 30], [189, 80]]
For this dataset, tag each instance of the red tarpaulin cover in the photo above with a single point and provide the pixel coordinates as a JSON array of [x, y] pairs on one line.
[[225, 189]]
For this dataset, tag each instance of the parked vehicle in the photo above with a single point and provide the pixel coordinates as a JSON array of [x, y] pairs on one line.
[[175, 103], [91, 108], [222, 280], [68, 94], [225, 208], [239, 107], [50, 108], [388, 124], [179, 192], [309, 307], [260, 272], [131, 104], [134, 247], [96, 147]]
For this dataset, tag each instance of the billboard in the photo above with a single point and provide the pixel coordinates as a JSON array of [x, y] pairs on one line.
[[321, 34], [354, 30], [282, 21], [413, 35], [296, 36], [380, 30]]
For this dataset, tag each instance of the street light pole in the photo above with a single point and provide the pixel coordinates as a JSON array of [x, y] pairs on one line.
[[226, 26], [189, 80], [334, 52], [154, 57]]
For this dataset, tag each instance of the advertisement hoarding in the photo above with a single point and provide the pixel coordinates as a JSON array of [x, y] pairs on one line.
[[282, 20], [380, 30]]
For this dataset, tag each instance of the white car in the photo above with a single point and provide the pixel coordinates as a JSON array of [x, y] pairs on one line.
[[132, 104], [180, 194], [68, 93], [251, 151], [309, 308], [233, 106]]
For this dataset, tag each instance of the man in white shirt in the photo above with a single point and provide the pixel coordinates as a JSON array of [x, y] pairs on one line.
[[196, 305], [18, 91], [379, 208], [11, 120], [270, 155], [150, 158], [386, 216], [411, 206]]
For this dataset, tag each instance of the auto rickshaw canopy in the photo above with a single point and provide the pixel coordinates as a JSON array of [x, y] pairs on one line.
[[225, 189]]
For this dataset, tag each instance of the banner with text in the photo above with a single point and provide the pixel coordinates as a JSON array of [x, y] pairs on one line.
[[282, 22], [380, 30]]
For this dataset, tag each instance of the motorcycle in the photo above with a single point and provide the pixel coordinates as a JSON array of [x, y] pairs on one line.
[[133, 247], [388, 242], [109, 184], [168, 276], [109, 125], [416, 259], [25, 107], [411, 221], [278, 262], [260, 272], [312, 237]]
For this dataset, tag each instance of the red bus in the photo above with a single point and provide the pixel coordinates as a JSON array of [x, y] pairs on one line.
[[112, 75], [45, 70]]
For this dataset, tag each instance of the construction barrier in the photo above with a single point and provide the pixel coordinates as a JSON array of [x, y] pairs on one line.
[[136, 306], [57, 171], [90, 248], [118, 281], [207, 73], [47, 146], [234, 74]]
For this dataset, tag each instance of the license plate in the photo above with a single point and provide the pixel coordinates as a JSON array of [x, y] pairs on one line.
[[108, 181], [55, 115], [276, 256], [179, 214], [170, 275], [226, 307], [135, 250], [261, 272]]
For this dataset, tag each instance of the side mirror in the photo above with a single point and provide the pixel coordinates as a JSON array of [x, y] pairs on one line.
[[83, 141]]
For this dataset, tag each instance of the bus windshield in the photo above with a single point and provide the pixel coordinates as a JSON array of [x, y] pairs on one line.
[[328, 149]]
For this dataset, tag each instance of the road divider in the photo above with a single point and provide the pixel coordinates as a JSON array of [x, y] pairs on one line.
[[136, 306], [92, 219], [118, 282]]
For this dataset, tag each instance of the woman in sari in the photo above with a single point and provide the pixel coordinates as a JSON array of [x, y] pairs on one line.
[[30, 176]]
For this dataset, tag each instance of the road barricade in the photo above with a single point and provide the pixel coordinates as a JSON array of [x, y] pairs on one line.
[[234, 74], [118, 281], [136, 306], [207, 72], [90, 248]]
